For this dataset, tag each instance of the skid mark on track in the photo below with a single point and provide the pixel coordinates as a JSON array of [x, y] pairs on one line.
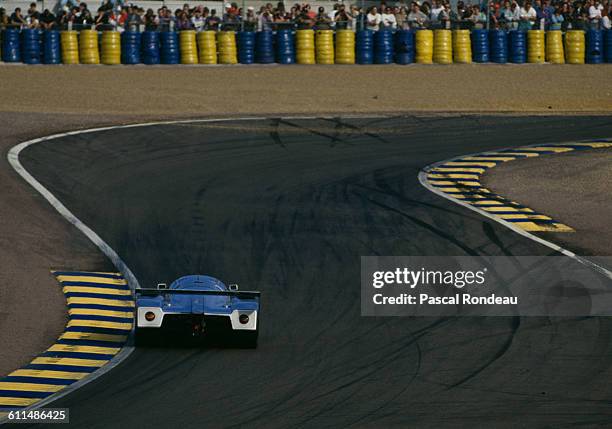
[[460, 180]]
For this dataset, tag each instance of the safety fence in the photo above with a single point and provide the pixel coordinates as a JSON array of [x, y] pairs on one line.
[[306, 47]]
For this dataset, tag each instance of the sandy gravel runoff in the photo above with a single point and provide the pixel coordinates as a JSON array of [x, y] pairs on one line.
[[213, 90], [40, 100]]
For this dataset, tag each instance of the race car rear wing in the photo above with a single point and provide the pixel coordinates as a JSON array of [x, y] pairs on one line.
[[239, 294]]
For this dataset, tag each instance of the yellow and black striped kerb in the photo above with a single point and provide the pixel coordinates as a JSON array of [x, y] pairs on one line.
[[100, 317], [460, 180]]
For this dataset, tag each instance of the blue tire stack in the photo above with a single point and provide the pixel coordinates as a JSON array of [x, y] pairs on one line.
[[246, 47], [30, 46], [11, 46], [364, 47], [608, 46], [51, 47], [517, 43], [480, 46], [169, 47], [404, 47], [285, 47], [131, 41], [150, 47], [383, 47], [594, 46], [498, 46], [264, 47]]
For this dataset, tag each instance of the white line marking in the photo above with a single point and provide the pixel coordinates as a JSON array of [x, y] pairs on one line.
[[424, 181]]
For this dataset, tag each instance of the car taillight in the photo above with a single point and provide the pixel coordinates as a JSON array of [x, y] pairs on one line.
[[244, 319], [150, 316]]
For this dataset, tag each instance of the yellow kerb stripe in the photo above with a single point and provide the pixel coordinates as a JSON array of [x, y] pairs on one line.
[[101, 301], [68, 361], [46, 373], [83, 349], [101, 280], [100, 324], [548, 149], [103, 291], [24, 402], [479, 163], [95, 311], [92, 336], [30, 387]]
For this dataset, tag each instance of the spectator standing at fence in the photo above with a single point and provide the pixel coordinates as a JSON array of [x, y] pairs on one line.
[[358, 21], [556, 21], [373, 19], [434, 14], [47, 20], [401, 17], [477, 19], [445, 16], [343, 18], [416, 18], [322, 21], [213, 21], [528, 16], [197, 21], [595, 15], [387, 20], [4, 19]]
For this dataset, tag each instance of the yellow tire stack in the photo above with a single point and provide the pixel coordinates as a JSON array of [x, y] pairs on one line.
[[535, 46], [305, 47], [345, 47], [554, 47], [188, 47], [424, 46], [574, 46], [325, 46], [443, 47], [207, 45], [462, 46], [70, 47], [111, 47], [226, 42], [88, 47]]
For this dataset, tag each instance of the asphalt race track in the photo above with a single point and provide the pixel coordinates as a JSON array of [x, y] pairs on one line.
[[288, 207]]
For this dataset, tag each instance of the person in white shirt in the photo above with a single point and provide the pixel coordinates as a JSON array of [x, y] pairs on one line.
[[434, 13], [527, 16], [388, 19], [606, 23], [594, 13], [373, 19]]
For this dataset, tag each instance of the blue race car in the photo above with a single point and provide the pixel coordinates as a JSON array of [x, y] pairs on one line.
[[199, 306]]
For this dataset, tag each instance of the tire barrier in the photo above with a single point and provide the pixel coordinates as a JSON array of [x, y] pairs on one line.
[[554, 47], [462, 46], [424, 46], [325, 46], [404, 47], [536, 47], [364, 47], [169, 47], [574, 47], [345, 47], [285, 47], [594, 47], [70, 47], [264, 47], [498, 46], [383, 47], [51, 53], [246, 47], [150, 48], [518, 47], [131, 41], [188, 47], [226, 44], [111, 48], [30, 46], [608, 46], [207, 45], [305, 46], [11, 49], [480, 46], [88, 47], [443, 47]]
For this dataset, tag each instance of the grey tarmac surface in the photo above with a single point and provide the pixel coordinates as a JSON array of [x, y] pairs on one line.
[[288, 207]]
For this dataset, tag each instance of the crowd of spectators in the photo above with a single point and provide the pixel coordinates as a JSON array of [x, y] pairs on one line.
[[503, 14]]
